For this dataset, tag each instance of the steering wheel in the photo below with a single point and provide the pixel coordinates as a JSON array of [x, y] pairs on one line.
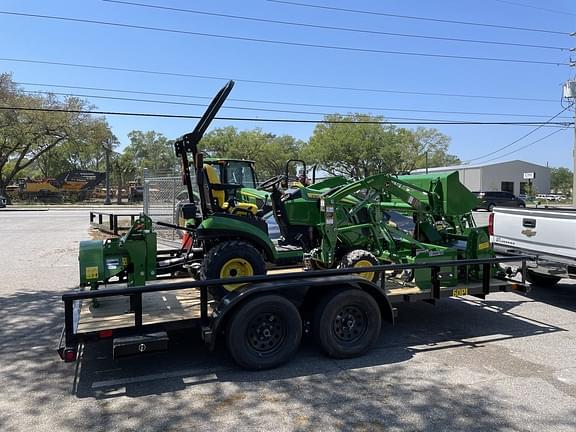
[[274, 181]]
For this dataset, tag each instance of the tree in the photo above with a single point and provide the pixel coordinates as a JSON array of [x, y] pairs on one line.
[[425, 143], [123, 168], [28, 134], [83, 151], [359, 145], [356, 149], [269, 152], [151, 150], [561, 180]]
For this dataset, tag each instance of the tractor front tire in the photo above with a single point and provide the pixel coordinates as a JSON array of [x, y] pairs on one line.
[[361, 258], [231, 259], [264, 332], [346, 323]]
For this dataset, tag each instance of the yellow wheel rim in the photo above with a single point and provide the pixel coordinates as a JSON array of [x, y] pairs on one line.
[[235, 267], [365, 275]]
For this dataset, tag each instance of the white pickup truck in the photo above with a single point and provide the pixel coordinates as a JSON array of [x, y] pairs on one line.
[[547, 234]]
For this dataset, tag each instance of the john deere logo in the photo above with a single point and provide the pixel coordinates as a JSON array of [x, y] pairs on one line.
[[529, 232]]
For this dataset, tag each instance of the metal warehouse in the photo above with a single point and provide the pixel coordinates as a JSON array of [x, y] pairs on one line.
[[512, 176]]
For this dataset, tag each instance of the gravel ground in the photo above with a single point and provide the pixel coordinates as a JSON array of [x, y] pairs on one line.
[[505, 364]]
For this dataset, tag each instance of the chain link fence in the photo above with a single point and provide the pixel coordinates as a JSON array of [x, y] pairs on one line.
[[162, 195]]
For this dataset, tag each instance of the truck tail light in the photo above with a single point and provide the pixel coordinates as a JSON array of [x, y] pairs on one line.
[[69, 355], [104, 334], [491, 224]]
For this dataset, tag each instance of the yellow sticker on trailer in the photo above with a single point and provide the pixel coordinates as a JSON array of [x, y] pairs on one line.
[[484, 245], [91, 272], [459, 292]]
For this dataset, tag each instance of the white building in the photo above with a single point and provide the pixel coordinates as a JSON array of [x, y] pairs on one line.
[[508, 176]]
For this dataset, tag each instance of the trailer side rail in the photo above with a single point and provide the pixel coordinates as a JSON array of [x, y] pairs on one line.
[[108, 222], [72, 300]]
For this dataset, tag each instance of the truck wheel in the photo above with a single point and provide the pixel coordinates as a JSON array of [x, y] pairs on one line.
[[231, 259], [491, 207], [361, 258], [346, 323], [264, 333], [541, 279]]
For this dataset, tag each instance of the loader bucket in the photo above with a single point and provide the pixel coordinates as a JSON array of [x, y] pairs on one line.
[[457, 199]]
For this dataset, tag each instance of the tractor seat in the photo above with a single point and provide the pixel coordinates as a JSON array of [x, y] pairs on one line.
[[224, 194]]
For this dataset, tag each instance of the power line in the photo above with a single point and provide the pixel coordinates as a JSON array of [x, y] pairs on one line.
[[525, 146], [280, 120], [418, 18], [290, 43], [278, 83], [521, 138], [326, 27], [524, 5], [254, 101]]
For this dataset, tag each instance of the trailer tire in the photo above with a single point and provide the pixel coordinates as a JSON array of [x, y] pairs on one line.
[[264, 332], [230, 259], [361, 258], [540, 279], [346, 323]]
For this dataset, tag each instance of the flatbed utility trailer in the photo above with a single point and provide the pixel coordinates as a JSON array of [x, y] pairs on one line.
[[263, 320]]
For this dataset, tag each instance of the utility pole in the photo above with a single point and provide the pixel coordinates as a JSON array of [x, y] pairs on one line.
[[574, 152], [108, 147], [570, 93]]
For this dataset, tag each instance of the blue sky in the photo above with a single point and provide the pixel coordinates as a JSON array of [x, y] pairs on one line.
[[92, 44]]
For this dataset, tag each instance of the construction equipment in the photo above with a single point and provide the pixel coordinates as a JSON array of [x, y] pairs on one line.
[[75, 185]]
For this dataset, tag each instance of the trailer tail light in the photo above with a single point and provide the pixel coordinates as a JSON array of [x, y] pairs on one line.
[[104, 334], [69, 355], [491, 224]]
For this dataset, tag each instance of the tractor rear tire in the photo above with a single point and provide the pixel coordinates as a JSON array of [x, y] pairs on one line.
[[264, 332], [361, 258], [540, 279], [346, 323], [231, 259]]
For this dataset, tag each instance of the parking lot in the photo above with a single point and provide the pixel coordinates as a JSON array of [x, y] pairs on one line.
[[506, 364]]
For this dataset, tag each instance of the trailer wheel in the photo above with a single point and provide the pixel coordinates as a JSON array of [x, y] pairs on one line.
[[231, 259], [361, 258], [541, 279], [346, 323], [264, 333]]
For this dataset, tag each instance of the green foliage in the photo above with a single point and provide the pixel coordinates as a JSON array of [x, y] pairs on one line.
[[47, 141], [269, 152], [151, 150], [561, 180], [357, 148]]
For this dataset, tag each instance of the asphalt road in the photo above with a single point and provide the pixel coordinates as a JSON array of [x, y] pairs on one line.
[[505, 364]]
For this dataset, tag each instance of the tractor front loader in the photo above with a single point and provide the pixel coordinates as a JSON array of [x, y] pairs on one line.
[[354, 232]]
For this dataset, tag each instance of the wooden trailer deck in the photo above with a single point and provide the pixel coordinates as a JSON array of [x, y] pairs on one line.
[[157, 307]]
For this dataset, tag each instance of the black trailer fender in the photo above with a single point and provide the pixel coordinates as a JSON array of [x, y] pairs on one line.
[[301, 292]]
